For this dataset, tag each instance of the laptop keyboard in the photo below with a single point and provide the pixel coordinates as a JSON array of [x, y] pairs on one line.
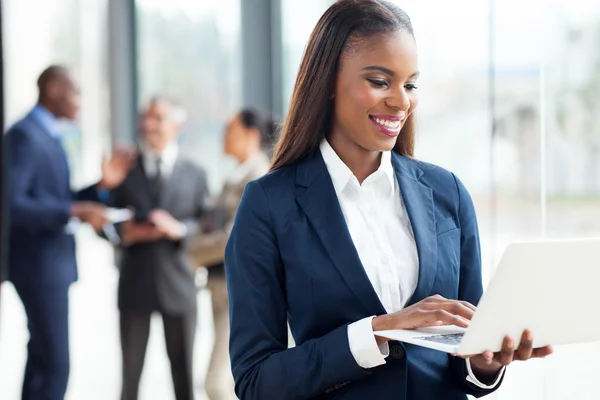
[[445, 338]]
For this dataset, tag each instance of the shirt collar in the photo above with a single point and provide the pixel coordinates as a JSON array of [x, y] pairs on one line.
[[168, 155], [243, 169], [47, 120], [341, 175]]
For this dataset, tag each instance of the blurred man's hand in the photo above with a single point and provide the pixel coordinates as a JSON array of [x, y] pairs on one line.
[[91, 213], [136, 232], [116, 168], [168, 225]]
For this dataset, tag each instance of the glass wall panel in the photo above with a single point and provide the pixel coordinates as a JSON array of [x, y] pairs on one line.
[[572, 101], [297, 24], [572, 97], [191, 51], [70, 33]]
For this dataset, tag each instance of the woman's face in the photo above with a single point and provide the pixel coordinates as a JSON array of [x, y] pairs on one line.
[[375, 92], [235, 137]]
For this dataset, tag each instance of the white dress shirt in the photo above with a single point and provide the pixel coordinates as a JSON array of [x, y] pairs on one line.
[[168, 157], [383, 237], [241, 171]]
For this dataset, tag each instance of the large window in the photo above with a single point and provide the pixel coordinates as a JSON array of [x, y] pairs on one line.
[[190, 50], [572, 100], [70, 33], [297, 24]]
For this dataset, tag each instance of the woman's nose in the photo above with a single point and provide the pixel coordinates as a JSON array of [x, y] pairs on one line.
[[399, 100]]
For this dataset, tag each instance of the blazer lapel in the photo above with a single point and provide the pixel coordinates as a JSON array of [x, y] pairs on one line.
[[167, 189], [418, 199], [318, 200], [141, 181], [138, 189]]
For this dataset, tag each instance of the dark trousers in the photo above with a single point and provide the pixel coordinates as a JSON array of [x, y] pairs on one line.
[[179, 335], [47, 368]]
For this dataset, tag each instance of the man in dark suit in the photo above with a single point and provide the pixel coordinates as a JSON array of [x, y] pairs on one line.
[[41, 245], [168, 194]]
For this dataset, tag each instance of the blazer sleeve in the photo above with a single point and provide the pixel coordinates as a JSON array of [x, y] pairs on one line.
[[91, 193], [27, 211], [207, 249], [201, 201], [263, 367], [470, 282]]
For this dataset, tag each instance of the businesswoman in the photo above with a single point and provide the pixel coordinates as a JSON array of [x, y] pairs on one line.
[[349, 234]]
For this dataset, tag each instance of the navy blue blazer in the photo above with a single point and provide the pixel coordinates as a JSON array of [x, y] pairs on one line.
[[290, 257], [41, 253]]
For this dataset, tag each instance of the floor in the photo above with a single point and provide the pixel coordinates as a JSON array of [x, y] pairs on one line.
[[95, 353]]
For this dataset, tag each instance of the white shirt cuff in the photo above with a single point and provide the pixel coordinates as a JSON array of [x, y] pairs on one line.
[[183, 229], [473, 379], [363, 345]]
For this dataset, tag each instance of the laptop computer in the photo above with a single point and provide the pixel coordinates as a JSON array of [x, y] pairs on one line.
[[547, 286]]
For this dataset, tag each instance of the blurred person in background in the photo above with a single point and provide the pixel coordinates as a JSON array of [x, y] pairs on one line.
[[169, 194], [349, 234], [42, 263], [248, 139]]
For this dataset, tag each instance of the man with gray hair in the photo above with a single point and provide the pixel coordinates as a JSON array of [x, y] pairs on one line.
[[168, 195]]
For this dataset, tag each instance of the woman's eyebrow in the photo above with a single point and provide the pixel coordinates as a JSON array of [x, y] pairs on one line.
[[380, 69], [387, 71]]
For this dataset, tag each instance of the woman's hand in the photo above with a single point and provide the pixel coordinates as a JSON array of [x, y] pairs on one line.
[[432, 311], [488, 364]]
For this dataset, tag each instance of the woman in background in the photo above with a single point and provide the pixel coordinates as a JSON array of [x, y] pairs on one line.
[[248, 139]]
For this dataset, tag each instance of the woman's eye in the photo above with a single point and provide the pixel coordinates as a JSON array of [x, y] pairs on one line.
[[410, 86], [378, 83]]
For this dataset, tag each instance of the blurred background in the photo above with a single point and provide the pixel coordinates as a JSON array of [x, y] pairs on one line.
[[510, 102]]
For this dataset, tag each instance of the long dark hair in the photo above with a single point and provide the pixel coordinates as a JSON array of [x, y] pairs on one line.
[[267, 125], [311, 109]]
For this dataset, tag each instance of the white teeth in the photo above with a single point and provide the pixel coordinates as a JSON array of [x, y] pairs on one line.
[[388, 124]]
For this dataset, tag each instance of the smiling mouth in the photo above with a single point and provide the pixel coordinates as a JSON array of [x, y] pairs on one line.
[[387, 125]]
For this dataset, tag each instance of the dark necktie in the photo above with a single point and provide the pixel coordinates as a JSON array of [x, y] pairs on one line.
[[156, 180]]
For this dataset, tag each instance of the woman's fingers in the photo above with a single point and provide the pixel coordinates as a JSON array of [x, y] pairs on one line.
[[452, 306], [542, 352], [525, 349], [468, 305], [458, 308], [447, 318], [524, 352], [433, 311], [505, 356]]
